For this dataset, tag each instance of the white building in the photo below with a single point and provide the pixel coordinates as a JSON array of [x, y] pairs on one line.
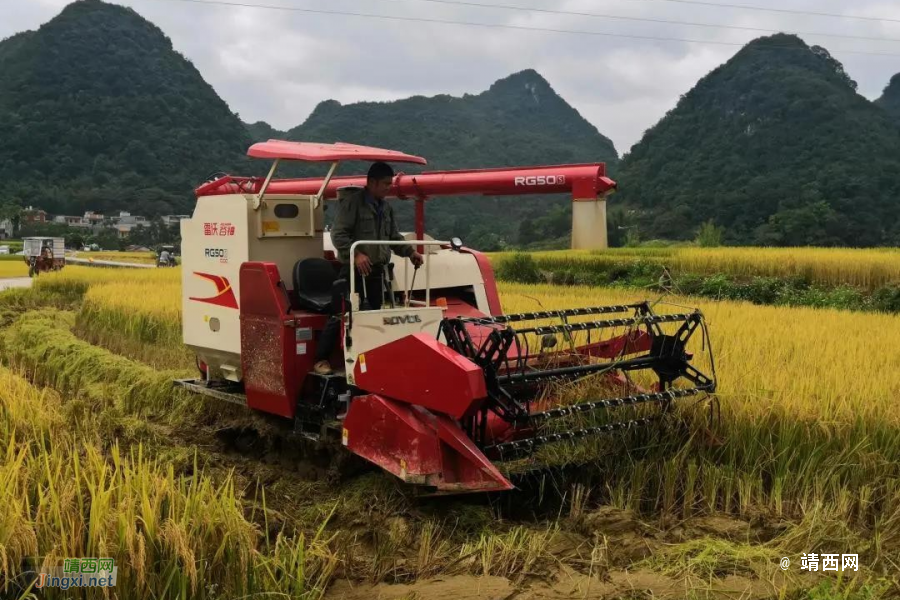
[[169, 220], [125, 222], [71, 221]]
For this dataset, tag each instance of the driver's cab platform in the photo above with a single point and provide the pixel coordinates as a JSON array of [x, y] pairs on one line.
[[280, 329]]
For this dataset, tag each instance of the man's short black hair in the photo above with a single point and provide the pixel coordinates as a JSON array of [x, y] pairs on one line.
[[380, 170]]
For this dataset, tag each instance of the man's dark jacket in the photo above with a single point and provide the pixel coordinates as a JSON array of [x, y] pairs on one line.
[[358, 219]]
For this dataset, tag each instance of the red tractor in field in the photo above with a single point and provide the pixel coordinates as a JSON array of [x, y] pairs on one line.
[[438, 386]]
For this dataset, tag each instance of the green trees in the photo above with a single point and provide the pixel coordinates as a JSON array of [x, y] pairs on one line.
[[262, 131], [12, 212], [520, 120], [775, 146], [100, 112], [155, 233], [890, 99], [710, 235]]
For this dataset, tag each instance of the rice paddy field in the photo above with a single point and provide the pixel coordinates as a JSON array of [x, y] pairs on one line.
[[13, 268], [146, 258], [844, 278], [869, 268], [100, 456]]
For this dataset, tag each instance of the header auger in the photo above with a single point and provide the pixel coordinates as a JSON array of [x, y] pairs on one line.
[[438, 387]]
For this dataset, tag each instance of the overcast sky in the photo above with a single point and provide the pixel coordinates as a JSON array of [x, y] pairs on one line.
[[276, 65]]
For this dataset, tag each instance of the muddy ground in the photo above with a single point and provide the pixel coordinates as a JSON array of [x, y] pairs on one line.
[[594, 552]]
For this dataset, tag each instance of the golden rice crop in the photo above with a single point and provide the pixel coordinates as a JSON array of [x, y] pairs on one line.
[[823, 364], [868, 268], [133, 312], [809, 413], [138, 319], [70, 284], [13, 268], [113, 306], [83, 276], [808, 397], [170, 535], [818, 364]]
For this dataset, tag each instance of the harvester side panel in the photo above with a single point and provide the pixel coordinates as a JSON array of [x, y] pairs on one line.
[[417, 369], [214, 246], [223, 233]]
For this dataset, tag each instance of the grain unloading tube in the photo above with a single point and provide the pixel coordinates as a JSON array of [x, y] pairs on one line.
[[587, 184]]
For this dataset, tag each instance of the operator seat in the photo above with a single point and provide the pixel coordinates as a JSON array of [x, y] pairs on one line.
[[313, 284]]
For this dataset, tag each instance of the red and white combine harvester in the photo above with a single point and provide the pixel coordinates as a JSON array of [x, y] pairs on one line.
[[438, 386]]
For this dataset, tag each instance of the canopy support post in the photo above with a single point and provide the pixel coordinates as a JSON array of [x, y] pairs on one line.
[[420, 222], [325, 182], [257, 202]]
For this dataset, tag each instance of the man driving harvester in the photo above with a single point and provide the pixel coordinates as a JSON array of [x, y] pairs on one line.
[[363, 214]]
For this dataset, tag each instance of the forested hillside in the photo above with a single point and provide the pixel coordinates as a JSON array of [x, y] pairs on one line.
[[99, 112], [775, 145], [890, 99], [262, 131], [520, 120]]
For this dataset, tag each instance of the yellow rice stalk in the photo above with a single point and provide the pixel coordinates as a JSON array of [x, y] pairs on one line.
[[143, 311], [13, 268], [826, 365], [67, 287], [808, 396], [82, 276], [170, 535]]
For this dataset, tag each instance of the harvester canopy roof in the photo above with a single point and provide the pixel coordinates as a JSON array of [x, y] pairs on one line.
[[315, 152]]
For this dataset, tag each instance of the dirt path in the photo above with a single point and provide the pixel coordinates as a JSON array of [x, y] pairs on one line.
[[15, 282], [567, 585]]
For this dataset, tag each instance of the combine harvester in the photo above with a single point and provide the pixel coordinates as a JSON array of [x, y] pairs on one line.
[[438, 385]]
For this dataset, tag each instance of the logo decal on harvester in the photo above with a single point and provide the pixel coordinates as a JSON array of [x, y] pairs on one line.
[[540, 180], [403, 319], [217, 253], [224, 294], [218, 229]]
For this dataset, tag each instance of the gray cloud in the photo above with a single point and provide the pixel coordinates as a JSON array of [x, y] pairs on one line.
[[277, 65]]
